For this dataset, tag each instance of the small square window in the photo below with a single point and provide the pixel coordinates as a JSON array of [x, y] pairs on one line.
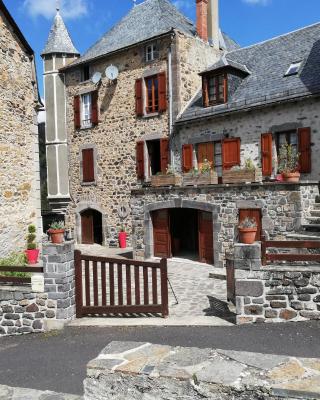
[[152, 52], [294, 69]]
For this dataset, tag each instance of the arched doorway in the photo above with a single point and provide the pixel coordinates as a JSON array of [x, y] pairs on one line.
[[91, 227]]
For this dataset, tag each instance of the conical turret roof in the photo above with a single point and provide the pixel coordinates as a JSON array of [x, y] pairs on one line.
[[59, 40]]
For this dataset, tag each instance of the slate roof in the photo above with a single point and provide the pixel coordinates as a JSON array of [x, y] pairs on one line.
[[268, 63], [224, 62], [59, 40], [145, 21]]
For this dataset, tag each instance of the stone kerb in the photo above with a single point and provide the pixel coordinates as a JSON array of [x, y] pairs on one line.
[[59, 280]]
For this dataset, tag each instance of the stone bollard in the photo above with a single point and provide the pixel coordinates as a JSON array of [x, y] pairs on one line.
[[59, 283]]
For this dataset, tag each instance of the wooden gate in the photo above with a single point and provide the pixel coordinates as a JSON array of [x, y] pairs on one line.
[[106, 286]]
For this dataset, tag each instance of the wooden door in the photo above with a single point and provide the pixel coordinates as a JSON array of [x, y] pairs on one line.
[[161, 233], [87, 227], [254, 214], [205, 237]]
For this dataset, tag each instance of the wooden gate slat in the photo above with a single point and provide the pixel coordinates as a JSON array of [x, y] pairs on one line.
[[87, 282], [103, 284], [128, 282], [154, 287], [145, 286], [95, 284], [120, 285], [111, 283], [137, 285]]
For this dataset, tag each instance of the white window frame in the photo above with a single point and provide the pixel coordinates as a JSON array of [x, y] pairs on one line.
[[296, 64], [86, 110], [151, 52]]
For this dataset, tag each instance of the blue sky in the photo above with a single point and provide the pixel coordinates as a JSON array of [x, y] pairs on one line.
[[246, 21]]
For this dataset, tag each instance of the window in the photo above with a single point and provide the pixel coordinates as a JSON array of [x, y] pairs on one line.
[[86, 110], [157, 157], [290, 137], [152, 94], [215, 88], [151, 52], [85, 73], [88, 170], [294, 69]]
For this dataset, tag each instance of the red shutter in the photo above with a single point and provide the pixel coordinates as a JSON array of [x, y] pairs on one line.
[[266, 154], [205, 94], [187, 157], [76, 109], [162, 92], [230, 152], [140, 159], [139, 98], [87, 165], [164, 154], [94, 108], [304, 140]]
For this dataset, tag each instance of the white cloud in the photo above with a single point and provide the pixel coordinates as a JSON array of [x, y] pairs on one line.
[[257, 2], [70, 9]]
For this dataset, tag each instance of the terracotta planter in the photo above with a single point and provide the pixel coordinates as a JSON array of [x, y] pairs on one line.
[[166, 180], [291, 176], [200, 179], [32, 256], [247, 235], [242, 176], [57, 236]]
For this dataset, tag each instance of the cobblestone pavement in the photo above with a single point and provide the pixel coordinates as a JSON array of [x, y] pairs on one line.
[[11, 393]]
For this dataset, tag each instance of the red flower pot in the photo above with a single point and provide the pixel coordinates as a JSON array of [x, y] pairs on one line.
[[122, 240], [56, 235], [32, 256], [247, 235], [291, 176]]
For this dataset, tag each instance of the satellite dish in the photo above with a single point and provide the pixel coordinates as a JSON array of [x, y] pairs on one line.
[[96, 78], [112, 72]]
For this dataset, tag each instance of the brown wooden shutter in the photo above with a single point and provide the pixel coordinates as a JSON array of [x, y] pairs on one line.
[[205, 152], [266, 154], [139, 98], [87, 165], [187, 157], [140, 159], [304, 140], [164, 154], [94, 108], [253, 214], [162, 92], [205, 94], [230, 152], [76, 109]]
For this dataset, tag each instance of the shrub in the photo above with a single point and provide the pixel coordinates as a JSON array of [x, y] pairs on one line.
[[248, 223], [56, 225], [288, 159], [31, 237]]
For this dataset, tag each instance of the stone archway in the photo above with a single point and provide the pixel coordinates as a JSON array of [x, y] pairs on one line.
[[182, 204], [83, 207]]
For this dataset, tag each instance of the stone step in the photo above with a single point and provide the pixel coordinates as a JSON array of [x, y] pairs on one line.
[[316, 206], [218, 273], [311, 227], [301, 236], [314, 219], [315, 213]]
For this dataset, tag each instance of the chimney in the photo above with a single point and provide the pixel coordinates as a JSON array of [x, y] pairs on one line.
[[202, 19], [213, 23]]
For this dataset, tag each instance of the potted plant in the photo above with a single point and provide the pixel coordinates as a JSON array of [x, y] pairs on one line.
[[205, 176], [169, 178], [32, 253], [122, 238], [248, 230], [56, 232], [248, 173], [289, 163]]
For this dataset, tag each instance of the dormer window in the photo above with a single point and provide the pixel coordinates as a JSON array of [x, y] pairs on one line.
[[215, 89], [151, 52], [293, 69]]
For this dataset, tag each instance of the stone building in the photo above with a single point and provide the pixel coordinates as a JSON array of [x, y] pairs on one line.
[[19, 155], [113, 117], [252, 101]]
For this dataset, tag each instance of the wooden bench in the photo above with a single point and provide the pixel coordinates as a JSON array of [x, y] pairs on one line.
[[286, 244]]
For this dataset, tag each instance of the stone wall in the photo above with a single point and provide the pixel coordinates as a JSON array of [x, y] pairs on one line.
[[114, 138], [275, 293], [283, 207], [19, 154], [249, 126]]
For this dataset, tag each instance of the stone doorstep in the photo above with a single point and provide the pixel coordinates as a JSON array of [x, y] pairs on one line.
[[16, 393], [216, 369]]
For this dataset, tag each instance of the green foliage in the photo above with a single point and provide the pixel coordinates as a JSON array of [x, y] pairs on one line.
[[288, 159], [248, 223], [32, 229], [122, 229], [206, 167], [14, 260], [249, 165], [31, 237], [170, 170], [56, 225], [31, 246]]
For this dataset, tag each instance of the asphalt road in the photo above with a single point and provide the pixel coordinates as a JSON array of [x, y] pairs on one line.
[[57, 361]]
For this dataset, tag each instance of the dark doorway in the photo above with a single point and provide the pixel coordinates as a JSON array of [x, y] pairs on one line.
[[91, 227], [184, 233]]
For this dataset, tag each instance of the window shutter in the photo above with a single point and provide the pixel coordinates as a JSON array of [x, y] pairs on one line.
[[304, 140], [76, 109], [87, 165], [162, 92], [164, 154], [187, 157], [231, 152], [94, 108], [140, 159], [266, 154], [205, 152], [139, 98], [205, 94]]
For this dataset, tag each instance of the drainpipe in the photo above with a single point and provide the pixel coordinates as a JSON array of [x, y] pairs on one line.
[[170, 99]]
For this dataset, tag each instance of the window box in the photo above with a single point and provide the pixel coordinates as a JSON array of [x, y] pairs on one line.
[[241, 176], [166, 180], [195, 179]]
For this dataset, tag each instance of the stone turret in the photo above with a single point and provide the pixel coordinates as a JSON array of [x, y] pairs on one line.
[[59, 52]]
